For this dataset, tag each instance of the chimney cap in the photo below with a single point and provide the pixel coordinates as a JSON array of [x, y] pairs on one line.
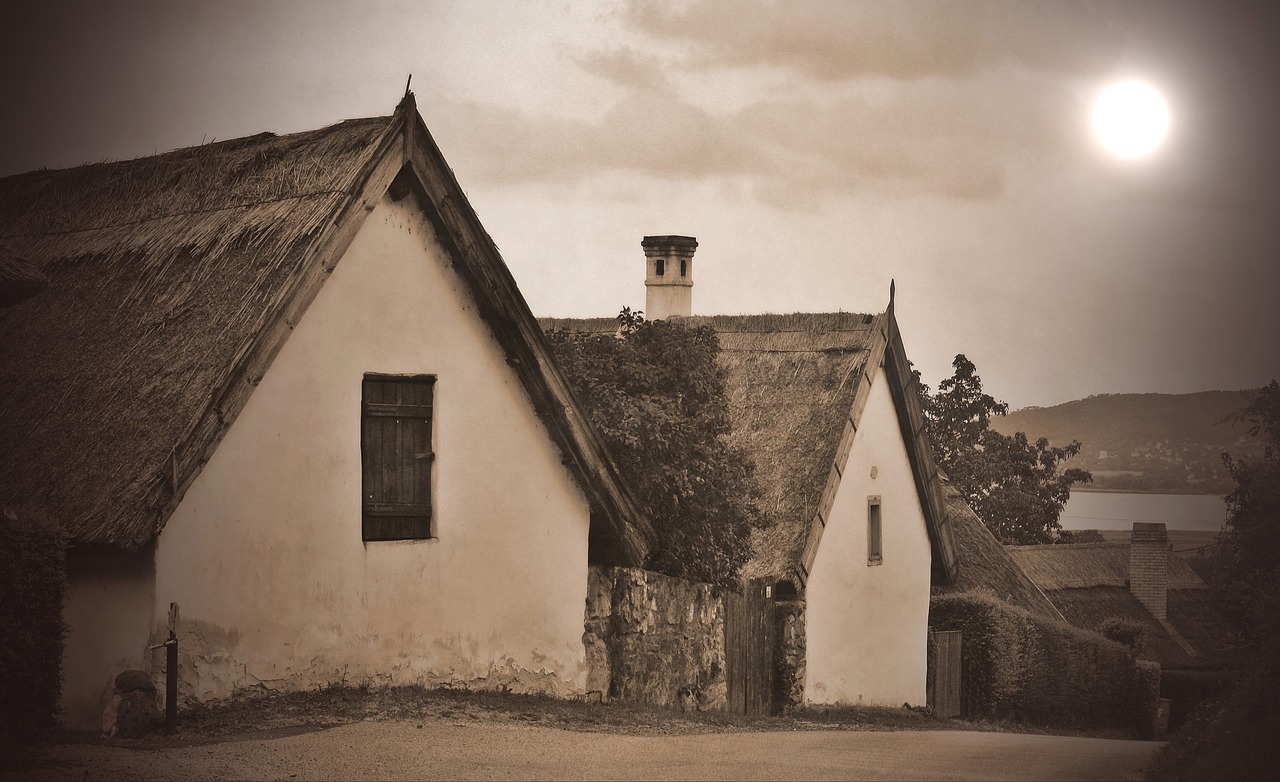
[[678, 242], [1145, 531]]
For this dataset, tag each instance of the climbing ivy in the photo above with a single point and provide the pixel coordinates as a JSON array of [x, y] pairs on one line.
[[655, 393]]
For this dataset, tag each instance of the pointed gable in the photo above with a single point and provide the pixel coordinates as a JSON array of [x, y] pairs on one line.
[[175, 280], [797, 386]]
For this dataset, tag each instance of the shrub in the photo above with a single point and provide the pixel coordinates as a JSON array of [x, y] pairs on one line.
[[1125, 631], [32, 583], [657, 397], [1019, 667], [1189, 690]]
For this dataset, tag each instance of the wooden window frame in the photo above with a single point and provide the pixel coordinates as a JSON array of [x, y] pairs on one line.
[[405, 461], [875, 531]]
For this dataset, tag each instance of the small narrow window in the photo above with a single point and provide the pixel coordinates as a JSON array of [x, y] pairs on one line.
[[875, 553], [660, 267], [396, 456], [684, 267]]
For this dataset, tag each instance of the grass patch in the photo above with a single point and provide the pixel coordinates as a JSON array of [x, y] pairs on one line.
[[255, 713], [262, 714]]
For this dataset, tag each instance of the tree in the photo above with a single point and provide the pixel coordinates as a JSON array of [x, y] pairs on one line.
[[1235, 737], [1248, 550], [656, 394], [1013, 485]]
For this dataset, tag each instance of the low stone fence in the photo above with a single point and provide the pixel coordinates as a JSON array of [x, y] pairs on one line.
[[655, 639]]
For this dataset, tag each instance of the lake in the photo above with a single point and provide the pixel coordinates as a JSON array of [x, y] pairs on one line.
[[1116, 510]]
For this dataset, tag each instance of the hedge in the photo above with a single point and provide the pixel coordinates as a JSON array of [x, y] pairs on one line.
[[32, 583], [1190, 689], [1022, 668]]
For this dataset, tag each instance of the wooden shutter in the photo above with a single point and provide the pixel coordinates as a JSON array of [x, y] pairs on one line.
[[395, 447]]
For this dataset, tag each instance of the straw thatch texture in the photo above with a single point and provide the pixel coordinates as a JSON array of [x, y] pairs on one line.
[[19, 280], [791, 381], [1089, 582], [986, 565], [1081, 565], [161, 269], [1193, 611]]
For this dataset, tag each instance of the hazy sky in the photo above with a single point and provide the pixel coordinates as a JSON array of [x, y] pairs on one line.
[[816, 150]]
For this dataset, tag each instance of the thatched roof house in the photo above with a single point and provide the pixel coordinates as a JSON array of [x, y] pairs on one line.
[[857, 525], [1091, 582], [289, 384], [175, 279], [984, 564], [797, 385]]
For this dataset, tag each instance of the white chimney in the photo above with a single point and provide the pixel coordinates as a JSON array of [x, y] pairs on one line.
[[1149, 567], [668, 276]]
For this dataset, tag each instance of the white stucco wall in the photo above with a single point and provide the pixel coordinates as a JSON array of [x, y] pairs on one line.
[[108, 612], [867, 625], [264, 556]]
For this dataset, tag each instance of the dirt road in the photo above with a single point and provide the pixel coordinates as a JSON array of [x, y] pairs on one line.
[[440, 749]]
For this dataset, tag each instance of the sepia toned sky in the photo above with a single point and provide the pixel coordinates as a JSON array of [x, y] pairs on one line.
[[815, 149]]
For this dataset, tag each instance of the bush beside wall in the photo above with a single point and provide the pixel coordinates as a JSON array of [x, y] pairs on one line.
[[32, 585], [1022, 668]]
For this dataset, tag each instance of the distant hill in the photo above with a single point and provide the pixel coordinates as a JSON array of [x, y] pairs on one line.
[[1145, 442]]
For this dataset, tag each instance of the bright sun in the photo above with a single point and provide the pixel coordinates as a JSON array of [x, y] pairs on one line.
[[1131, 118]]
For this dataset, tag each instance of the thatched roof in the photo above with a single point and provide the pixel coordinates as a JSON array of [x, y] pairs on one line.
[[175, 280], [984, 564], [1080, 565], [796, 388], [19, 280], [1089, 582], [1191, 637]]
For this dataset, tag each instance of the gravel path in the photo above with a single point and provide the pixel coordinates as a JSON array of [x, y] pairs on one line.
[[444, 749]]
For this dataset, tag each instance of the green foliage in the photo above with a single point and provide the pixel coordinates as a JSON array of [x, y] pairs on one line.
[[1125, 631], [1235, 737], [1189, 689], [1022, 668], [32, 584], [1080, 536], [1013, 485], [657, 396], [1249, 547]]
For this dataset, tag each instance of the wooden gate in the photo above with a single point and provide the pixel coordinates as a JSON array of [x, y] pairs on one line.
[[748, 649], [946, 673]]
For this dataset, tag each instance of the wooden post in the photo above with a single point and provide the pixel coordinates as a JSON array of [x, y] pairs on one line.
[[171, 672]]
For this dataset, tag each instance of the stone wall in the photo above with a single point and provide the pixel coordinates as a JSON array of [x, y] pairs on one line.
[[788, 654], [654, 639]]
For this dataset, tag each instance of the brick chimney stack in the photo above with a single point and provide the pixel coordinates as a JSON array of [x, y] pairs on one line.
[[668, 276], [1149, 567]]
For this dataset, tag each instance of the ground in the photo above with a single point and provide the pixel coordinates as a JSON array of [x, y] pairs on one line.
[[410, 733]]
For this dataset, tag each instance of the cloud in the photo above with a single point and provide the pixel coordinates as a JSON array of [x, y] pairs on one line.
[[928, 136], [625, 67], [833, 41], [651, 133]]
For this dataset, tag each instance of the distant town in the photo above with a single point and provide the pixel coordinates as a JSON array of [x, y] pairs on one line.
[[1166, 443]]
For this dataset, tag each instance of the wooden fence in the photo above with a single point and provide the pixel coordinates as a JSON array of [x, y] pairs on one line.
[[748, 648], [946, 673]]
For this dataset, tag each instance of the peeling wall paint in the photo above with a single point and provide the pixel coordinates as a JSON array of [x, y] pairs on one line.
[[866, 625]]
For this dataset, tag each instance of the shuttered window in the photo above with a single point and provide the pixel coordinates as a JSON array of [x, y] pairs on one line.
[[875, 553], [396, 453]]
